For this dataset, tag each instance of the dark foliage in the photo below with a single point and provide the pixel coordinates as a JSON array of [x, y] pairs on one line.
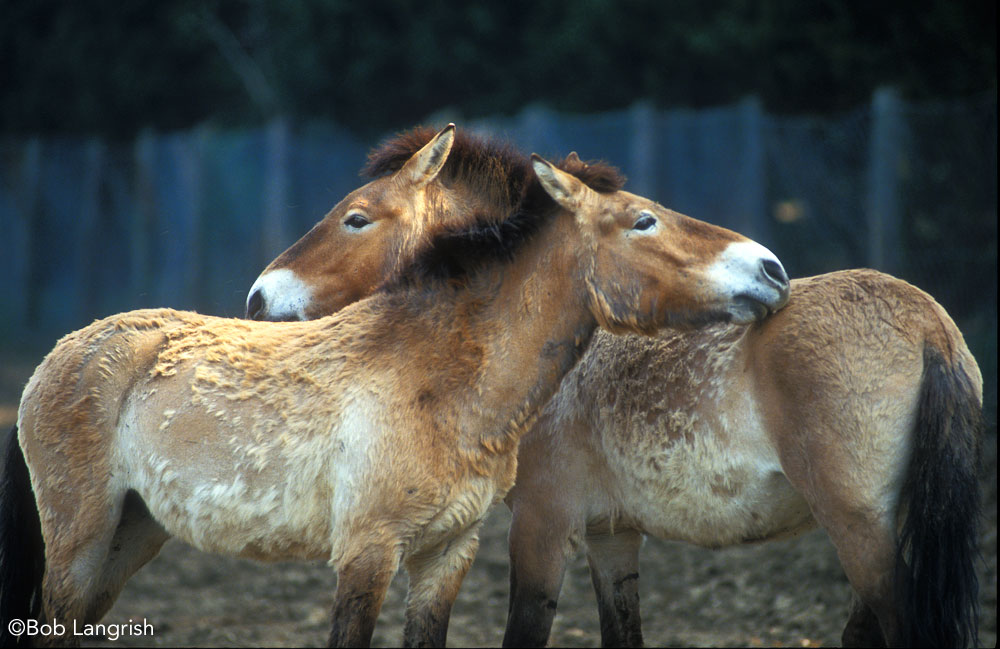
[[114, 68]]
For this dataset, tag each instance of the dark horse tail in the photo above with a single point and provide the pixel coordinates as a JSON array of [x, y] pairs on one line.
[[22, 553], [936, 584]]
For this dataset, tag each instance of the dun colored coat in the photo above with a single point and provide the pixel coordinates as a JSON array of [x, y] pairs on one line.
[[374, 438], [856, 407]]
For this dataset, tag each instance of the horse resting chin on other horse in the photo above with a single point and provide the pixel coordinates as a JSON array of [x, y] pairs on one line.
[[856, 407], [375, 438]]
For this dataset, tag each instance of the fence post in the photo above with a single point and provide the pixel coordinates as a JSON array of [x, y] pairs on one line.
[[145, 218], [752, 217], [679, 169], [24, 297], [888, 129], [87, 226], [537, 126], [642, 149], [181, 230], [275, 225]]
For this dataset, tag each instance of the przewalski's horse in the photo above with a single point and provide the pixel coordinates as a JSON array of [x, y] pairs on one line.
[[855, 408], [374, 438], [365, 238], [397, 205]]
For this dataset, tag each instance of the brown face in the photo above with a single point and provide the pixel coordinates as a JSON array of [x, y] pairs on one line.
[[651, 267], [340, 260], [355, 247]]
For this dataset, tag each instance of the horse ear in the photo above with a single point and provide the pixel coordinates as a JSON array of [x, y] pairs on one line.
[[426, 164], [564, 188]]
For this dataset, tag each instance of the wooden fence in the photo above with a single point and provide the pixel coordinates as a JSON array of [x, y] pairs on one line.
[[188, 219]]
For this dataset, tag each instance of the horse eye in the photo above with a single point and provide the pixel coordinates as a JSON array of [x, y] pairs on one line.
[[644, 222], [356, 221]]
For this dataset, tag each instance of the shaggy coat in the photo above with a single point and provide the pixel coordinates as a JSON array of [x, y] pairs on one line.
[[856, 408], [375, 438]]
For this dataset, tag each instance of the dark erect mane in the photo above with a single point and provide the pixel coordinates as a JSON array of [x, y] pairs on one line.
[[493, 169], [487, 167]]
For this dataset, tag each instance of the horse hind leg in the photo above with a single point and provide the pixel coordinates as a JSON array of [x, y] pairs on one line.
[[76, 553], [90, 555], [865, 544], [862, 628], [614, 571], [848, 494], [435, 579], [931, 587], [137, 540]]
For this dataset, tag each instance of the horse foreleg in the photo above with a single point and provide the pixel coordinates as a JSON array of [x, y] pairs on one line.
[[435, 579], [614, 570], [539, 548], [361, 586]]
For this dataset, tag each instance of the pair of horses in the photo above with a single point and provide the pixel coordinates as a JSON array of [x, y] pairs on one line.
[[376, 437], [856, 407]]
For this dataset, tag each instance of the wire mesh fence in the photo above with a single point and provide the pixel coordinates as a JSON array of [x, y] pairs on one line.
[[189, 219]]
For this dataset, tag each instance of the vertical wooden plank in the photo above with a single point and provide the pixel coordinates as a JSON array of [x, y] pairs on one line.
[[538, 132], [144, 217], [642, 150], [87, 246], [179, 268], [276, 176], [18, 228], [193, 171], [680, 171], [751, 218], [886, 157]]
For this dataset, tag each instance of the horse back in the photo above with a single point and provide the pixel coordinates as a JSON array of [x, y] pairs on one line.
[[858, 335], [82, 383], [838, 376]]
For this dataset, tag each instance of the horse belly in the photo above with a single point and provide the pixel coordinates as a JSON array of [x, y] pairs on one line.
[[722, 505], [711, 488], [237, 519], [224, 493]]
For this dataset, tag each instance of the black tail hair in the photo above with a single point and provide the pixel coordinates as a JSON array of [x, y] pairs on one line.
[[936, 585], [22, 551]]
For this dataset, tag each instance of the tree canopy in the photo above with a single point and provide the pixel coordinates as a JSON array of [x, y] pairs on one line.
[[112, 67]]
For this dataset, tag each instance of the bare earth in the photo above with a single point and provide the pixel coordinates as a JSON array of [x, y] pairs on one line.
[[785, 593]]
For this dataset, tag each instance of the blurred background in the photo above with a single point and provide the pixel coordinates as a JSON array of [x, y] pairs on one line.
[[160, 153]]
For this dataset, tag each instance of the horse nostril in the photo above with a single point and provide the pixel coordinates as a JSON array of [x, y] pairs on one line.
[[255, 305], [774, 272]]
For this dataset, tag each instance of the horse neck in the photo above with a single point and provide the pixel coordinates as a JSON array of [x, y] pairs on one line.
[[533, 325], [446, 207], [450, 204]]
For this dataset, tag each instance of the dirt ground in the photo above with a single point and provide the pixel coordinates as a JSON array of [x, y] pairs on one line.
[[785, 593]]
